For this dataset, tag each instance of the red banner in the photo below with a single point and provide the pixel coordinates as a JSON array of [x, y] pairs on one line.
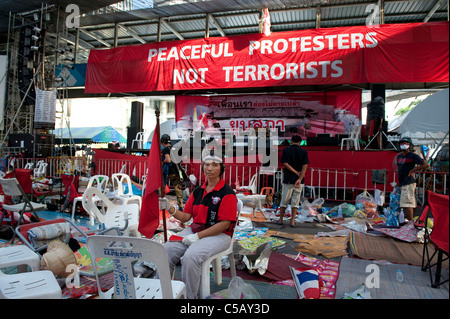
[[391, 53]]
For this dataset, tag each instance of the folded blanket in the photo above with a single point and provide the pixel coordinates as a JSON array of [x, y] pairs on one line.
[[39, 236]]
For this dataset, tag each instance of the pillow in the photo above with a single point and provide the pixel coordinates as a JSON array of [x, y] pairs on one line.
[[41, 235]]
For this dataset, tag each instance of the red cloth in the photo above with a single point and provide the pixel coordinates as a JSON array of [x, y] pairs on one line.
[[278, 267], [439, 208], [149, 217], [24, 178], [70, 182]]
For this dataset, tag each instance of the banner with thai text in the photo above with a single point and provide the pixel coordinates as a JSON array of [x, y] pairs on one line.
[[306, 114], [391, 53]]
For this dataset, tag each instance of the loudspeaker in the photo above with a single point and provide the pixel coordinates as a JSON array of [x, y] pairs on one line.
[[43, 142], [43, 150], [24, 140], [46, 139], [137, 116], [25, 74], [378, 90]]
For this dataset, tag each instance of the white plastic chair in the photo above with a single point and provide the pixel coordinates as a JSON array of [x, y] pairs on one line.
[[216, 261], [29, 165], [353, 139], [11, 187], [40, 170], [124, 217], [30, 285], [124, 251], [98, 181], [118, 180], [252, 186], [19, 256], [139, 140]]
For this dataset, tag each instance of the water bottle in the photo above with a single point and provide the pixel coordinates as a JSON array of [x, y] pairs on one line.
[[399, 276], [401, 217], [339, 211]]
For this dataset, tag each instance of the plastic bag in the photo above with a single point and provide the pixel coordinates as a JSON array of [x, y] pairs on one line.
[[348, 210], [391, 217], [193, 179], [365, 201], [259, 261], [310, 209], [353, 225], [239, 289], [394, 201], [245, 225], [360, 293]]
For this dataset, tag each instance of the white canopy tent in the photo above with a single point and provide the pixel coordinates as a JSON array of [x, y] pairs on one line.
[[167, 127], [428, 122]]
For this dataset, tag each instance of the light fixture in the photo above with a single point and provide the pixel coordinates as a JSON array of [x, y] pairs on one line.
[[36, 29], [34, 37], [34, 48]]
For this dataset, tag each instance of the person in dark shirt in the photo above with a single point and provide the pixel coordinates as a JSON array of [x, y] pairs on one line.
[[295, 161], [375, 117], [170, 170], [165, 156], [408, 163]]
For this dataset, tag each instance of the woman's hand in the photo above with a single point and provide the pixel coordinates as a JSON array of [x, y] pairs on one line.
[[190, 239]]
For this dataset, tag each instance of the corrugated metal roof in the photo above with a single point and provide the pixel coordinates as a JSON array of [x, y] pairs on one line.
[[187, 18]]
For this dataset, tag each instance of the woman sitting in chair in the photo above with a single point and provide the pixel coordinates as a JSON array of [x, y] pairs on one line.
[[213, 207]]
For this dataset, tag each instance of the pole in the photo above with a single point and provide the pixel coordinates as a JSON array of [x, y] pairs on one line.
[[162, 190]]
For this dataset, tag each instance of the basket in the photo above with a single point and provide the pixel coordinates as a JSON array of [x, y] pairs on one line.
[[57, 258]]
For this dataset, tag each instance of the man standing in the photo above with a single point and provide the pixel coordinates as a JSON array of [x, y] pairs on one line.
[[408, 163], [295, 161]]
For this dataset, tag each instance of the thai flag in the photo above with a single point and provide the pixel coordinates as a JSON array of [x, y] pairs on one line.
[[307, 282]]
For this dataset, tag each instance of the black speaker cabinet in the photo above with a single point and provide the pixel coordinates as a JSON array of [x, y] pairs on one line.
[[137, 116], [46, 139], [24, 140], [43, 150]]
